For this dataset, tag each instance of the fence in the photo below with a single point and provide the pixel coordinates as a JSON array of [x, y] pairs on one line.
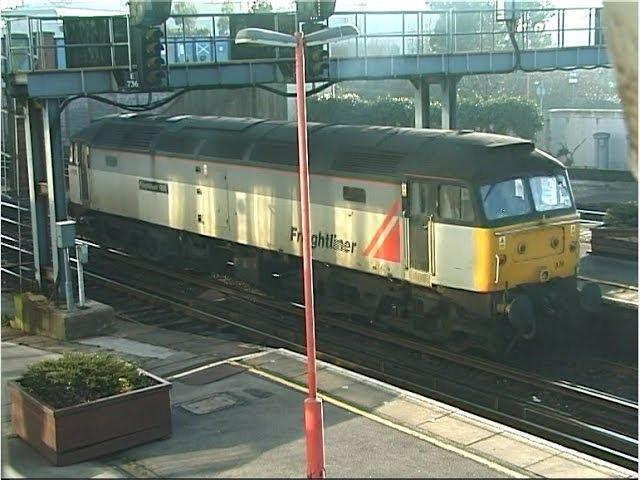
[[43, 43]]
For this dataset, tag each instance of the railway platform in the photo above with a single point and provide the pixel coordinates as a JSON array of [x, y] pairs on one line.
[[236, 411], [618, 278]]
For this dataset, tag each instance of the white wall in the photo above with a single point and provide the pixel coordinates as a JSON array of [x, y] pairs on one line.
[[572, 127]]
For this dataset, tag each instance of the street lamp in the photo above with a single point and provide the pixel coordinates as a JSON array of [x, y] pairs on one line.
[[314, 431]]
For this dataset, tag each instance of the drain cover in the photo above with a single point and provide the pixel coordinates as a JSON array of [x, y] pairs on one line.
[[210, 404]]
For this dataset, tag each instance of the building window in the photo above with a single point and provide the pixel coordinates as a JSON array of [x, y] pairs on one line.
[[455, 203], [111, 161], [354, 194]]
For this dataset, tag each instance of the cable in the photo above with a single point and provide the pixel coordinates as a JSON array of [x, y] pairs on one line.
[[308, 93], [518, 64], [161, 102]]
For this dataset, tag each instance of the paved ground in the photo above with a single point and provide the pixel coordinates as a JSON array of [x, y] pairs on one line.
[[591, 193], [610, 269], [242, 418]]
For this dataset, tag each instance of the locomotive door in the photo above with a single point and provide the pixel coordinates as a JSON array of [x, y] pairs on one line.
[[422, 206], [83, 153]]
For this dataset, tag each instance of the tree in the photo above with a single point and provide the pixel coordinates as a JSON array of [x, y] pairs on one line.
[[261, 6], [222, 23], [511, 116], [476, 28], [190, 23]]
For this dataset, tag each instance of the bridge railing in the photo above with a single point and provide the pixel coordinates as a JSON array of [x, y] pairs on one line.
[[465, 31], [45, 43]]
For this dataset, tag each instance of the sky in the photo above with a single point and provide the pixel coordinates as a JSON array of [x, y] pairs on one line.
[[344, 5]]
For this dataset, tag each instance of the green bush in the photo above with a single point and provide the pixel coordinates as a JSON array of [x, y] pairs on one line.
[[77, 378], [509, 116], [622, 215]]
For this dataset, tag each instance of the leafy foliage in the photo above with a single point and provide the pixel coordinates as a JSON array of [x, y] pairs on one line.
[[514, 116], [76, 378], [622, 215], [260, 6]]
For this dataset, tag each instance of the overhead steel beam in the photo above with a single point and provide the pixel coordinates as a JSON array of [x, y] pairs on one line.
[[52, 83]]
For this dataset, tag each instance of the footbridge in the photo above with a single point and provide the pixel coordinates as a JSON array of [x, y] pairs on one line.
[[425, 47]]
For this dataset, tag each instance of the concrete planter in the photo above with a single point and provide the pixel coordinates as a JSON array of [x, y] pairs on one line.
[[81, 432]]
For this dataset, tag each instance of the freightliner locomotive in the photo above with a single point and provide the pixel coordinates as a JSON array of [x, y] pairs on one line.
[[454, 235]]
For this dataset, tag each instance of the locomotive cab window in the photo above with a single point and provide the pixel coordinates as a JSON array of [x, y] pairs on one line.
[[354, 194], [454, 203]]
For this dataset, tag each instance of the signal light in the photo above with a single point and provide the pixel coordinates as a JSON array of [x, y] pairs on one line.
[[317, 58], [151, 64], [318, 62], [314, 9]]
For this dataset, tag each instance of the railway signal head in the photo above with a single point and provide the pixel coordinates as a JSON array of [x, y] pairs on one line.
[[318, 63], [151, 65], [317, 58], [314, 9]]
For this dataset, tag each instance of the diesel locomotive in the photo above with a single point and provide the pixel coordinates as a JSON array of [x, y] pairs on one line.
[[449, 235]]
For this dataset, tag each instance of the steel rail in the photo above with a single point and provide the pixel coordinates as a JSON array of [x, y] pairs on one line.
[[620, 441], [564, 388]]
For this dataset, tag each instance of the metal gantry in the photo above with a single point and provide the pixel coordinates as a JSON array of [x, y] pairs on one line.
[[199, 50], [16, 240]]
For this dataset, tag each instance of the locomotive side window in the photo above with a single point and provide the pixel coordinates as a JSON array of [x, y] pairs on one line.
[[455, 203], [74, 154], [111, 161], [354, 194]]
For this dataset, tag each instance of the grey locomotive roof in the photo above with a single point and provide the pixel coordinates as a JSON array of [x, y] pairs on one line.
[[342, 150]]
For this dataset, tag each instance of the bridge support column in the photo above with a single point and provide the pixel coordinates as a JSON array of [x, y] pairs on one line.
[[449, 86], [56, 186], [37, 177], [421, 103]]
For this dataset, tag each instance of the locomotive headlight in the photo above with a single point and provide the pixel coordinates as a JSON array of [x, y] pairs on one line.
[[502, 258], [554, 242], [544, 274], [573, 246]]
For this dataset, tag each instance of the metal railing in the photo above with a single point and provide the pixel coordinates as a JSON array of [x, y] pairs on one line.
[[39, 43], [465, 31]]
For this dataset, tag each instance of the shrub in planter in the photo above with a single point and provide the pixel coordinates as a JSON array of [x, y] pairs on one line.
[[77, 378], [82, 406]]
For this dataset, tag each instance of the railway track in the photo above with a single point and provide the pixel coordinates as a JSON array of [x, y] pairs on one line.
[[580, 417]]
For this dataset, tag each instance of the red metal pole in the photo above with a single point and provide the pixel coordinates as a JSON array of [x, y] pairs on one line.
[[314, 430]]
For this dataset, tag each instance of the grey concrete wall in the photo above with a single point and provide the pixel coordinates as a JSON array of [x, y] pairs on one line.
[[573, 126]]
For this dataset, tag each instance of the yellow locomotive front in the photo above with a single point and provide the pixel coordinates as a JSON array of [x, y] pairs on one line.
[[527, 253], [533, 235]]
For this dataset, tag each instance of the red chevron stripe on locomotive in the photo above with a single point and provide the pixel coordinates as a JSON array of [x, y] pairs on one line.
[[385, 244]]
